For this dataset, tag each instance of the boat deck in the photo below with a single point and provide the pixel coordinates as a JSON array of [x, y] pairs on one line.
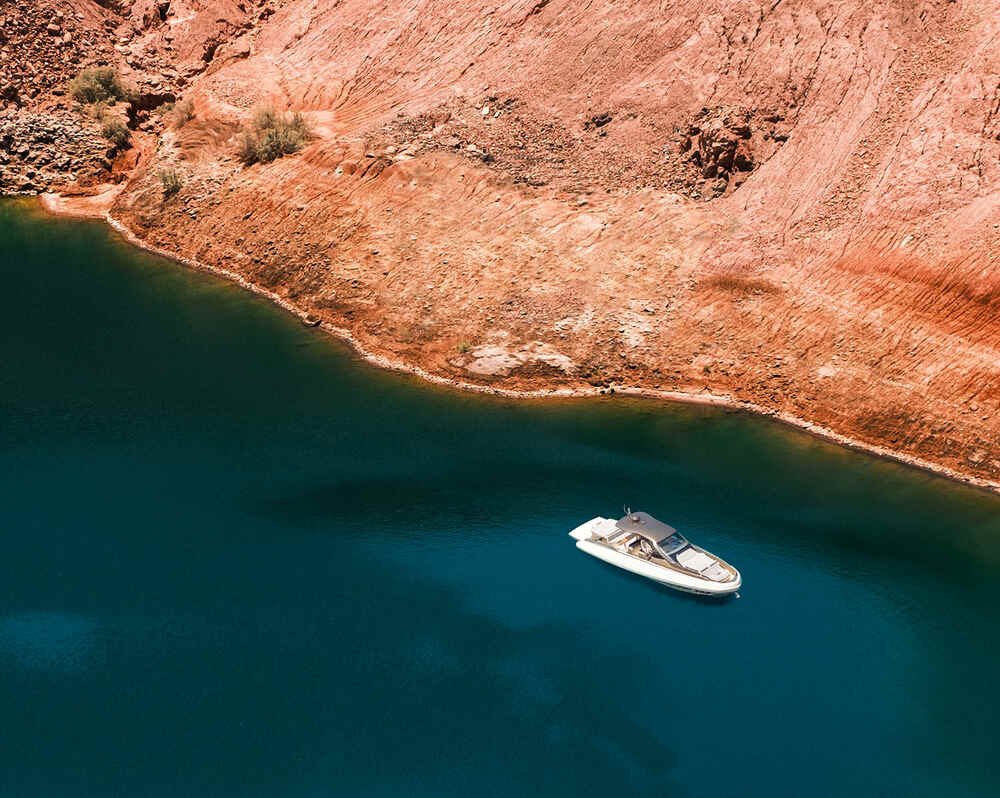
[[627, 543]]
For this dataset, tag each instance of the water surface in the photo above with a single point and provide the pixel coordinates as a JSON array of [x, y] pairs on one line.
[[237, 561]]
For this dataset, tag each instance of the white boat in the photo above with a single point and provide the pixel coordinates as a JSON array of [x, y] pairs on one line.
[[639, 543]]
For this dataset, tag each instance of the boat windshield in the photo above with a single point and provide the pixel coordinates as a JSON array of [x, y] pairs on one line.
[[674, 543]]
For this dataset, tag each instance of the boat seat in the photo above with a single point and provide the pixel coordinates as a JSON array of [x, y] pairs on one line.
[[695, 560], [716, 573], [616, 535]]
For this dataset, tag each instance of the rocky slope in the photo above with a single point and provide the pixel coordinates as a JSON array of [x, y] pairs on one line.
[[794, 204]]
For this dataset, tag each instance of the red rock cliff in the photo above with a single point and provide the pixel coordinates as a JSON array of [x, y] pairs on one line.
[[790, 203]]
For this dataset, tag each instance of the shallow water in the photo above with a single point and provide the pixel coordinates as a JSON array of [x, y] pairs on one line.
[[237, 561]]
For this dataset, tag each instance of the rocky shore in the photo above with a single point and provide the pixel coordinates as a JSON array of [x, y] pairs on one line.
[[794, 211], [47, 150]]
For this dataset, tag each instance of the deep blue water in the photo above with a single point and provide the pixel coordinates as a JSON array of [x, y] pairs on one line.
[[238, 562]]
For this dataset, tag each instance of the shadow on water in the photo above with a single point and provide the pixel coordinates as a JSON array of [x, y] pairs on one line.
[[428, 497]]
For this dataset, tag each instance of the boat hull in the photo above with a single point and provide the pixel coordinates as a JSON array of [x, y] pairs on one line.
[[665, 576]]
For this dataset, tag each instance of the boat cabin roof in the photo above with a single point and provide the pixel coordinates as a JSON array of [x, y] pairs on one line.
[[645, 525]]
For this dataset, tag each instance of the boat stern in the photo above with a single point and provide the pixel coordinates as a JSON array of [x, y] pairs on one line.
[[591, 528]]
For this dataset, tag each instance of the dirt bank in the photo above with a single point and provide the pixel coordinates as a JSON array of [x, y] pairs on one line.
[[97, 207], [793, 207]]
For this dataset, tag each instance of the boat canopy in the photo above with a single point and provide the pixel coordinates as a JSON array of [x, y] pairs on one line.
[[645, 525]]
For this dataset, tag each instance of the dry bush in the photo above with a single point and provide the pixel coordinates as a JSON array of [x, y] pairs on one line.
[[264, 118], [272, 136], [97, 84], [116, 132], [171, 181], [247, 150]]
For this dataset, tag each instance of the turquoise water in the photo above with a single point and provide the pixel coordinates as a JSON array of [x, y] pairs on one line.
[[237, 561]]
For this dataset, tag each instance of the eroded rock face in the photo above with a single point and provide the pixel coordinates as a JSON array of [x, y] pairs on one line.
[[794, 204], [45, 42], [726, 145], [42, 151], [500, 360], [703, 159]]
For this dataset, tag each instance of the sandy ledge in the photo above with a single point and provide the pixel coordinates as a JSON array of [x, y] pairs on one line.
[[98, 207]]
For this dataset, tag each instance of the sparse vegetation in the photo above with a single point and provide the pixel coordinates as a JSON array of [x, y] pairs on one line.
[[115, 131], [264, 118], [97, 84], [247, 150], [181, 114], [97, 89], [464, 347], [98, 110], [171, 181], [272, 136]]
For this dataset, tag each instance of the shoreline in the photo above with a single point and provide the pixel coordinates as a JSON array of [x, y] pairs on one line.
[[99, 207]]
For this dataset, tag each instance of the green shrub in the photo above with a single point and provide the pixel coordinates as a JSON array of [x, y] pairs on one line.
[[181, 114], [115, 131], [273, 135], [97, 84], [170, 179]]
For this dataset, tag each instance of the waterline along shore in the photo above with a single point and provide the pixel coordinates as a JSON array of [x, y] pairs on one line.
[[99, 207]]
